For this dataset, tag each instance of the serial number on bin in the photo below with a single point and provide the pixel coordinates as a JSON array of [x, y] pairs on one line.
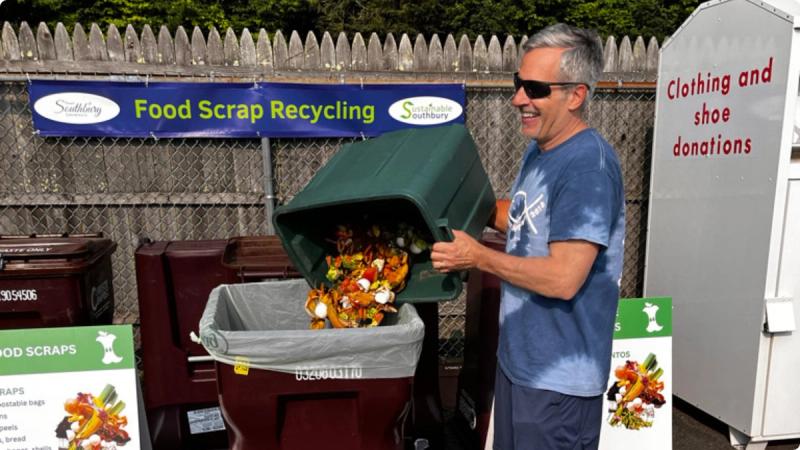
[[18, 295]]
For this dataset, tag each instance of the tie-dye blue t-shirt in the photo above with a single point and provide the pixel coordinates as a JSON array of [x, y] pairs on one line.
[[571, 192]]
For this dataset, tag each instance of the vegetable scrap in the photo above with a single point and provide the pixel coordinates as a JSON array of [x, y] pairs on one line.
[[93, 423], [366, 275], [635, 394]]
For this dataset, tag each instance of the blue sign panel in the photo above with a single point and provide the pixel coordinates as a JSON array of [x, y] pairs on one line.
[[87, 108]]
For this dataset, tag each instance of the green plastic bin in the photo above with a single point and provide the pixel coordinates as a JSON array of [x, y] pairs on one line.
[[431, 178]]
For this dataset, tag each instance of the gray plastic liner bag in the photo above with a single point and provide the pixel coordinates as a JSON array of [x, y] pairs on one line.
[[265, 326]]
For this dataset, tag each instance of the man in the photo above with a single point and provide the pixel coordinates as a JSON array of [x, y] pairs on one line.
[[565, 225]]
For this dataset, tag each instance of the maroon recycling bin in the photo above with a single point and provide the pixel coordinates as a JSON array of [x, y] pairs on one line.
[[258, 258], [282, 411], [174, 279], [55, 280], [254, 258], [476, 380], [283, 386]]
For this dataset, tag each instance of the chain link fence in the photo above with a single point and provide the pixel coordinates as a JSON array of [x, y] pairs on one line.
[[174, 189]]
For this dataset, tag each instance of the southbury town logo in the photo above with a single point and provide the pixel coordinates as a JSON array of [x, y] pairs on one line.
[[77, 108], [425, 110], [651, 310], [107, 341]]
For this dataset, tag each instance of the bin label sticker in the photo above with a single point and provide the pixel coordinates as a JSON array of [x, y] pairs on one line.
[[69, 388], [27, 249], [205, 420], [18, 295], [241, 365]]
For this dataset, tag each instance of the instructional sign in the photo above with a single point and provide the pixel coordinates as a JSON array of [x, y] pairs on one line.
[[637, 402], [76, 108], [68, 388]]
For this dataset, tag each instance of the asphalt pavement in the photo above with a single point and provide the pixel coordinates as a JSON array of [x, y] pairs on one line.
[[692, 429]]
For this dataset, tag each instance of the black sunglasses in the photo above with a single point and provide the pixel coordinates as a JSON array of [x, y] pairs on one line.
[[540, 89]]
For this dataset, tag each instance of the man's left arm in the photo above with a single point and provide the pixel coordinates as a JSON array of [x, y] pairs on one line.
[[560, 275], [582, 212]]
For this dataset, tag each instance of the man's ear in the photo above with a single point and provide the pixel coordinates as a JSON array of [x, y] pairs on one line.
[[577, 95]]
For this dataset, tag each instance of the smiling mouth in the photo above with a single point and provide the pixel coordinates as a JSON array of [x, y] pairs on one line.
[[529, 114]]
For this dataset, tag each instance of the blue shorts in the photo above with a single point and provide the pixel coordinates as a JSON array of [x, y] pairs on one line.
[[536, 419]]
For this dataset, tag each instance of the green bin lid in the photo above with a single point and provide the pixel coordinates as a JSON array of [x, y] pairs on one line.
[[431, 178]]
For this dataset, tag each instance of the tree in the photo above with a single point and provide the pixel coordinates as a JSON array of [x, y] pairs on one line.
[[272, 15], [630, 17], [657, 18]]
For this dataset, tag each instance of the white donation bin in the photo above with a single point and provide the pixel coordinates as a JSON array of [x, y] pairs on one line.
[[724, 224]]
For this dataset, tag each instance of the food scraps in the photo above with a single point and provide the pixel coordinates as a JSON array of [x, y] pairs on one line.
[[370, 269], [93, 422], [635, 394]]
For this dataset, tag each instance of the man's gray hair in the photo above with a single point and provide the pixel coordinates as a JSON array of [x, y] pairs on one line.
[[582, 62]]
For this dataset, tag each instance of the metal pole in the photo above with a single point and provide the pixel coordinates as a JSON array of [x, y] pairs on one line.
[[269, 193]]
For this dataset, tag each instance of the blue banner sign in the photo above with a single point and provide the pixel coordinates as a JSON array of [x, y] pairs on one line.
[[89, 108]]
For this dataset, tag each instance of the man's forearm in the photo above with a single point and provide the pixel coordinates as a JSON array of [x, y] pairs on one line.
[[558, 275]]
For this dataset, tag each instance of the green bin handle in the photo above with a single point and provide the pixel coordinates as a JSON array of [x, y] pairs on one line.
[[444, 226]]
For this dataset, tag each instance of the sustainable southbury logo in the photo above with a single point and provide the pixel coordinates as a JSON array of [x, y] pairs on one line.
[[77, 108], [425, 110], [107, 341]]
